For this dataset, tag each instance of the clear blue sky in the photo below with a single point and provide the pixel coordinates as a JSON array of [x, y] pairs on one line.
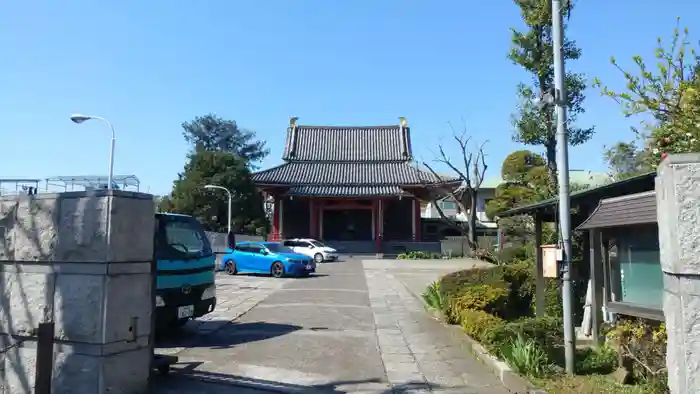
[[150, 65]]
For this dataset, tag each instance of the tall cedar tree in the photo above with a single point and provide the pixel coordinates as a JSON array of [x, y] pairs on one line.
[[221, 154], [532, 50]]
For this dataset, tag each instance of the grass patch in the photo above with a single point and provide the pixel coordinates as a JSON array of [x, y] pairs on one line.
[[590, 384]]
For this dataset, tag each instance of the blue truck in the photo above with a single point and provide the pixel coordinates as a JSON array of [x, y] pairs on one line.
[[185, 285]]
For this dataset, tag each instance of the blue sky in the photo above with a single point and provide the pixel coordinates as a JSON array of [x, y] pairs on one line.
[[150, 65]]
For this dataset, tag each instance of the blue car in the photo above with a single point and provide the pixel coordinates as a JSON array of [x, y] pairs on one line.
[[266, 258]]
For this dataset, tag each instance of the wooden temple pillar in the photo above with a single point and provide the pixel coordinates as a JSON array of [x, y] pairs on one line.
[[314, 219], [378, 216], [277, 221], [416, 221]]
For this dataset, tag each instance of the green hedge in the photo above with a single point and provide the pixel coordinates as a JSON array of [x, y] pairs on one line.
[[479, 324], [546, 331]]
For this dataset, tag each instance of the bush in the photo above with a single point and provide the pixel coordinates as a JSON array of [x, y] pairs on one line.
[[432, 296], [602, 360], [546, 331], [455, 283], [512, 253], [491, 298], [419, 255], [477, 324], [526, 357], [642, 345]]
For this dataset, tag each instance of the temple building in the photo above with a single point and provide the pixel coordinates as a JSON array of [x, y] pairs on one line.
[[348, 184]]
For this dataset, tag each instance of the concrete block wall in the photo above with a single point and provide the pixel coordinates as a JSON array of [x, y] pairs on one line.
[[678, 211], [81, 260]]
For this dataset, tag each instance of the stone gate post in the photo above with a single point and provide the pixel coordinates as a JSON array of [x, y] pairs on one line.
[[678, 211], [82, 261]]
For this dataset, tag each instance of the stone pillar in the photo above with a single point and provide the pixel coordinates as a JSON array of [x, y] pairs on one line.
[[83, 261], [678, 212]]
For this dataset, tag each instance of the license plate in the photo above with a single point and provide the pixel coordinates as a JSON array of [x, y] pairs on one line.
[[184, 312], [308, 266]]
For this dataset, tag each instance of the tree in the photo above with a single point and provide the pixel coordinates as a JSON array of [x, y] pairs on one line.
[[224, 155], [626, 160], [470, 172], [211, 133], [669, 95], [532, 50], [525, 181], [211, 206]]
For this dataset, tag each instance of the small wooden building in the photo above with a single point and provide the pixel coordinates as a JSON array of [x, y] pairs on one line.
[[349, 184], [622, 258]]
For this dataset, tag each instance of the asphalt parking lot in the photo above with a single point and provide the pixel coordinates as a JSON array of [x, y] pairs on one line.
[[354, 327]]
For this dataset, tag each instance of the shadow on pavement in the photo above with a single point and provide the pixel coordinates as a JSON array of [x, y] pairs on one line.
[[314, 275], [229, 334], [186, 379]]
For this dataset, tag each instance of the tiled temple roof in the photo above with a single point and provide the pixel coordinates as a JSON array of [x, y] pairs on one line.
[[348, 174], [347, 161], [348, 143]]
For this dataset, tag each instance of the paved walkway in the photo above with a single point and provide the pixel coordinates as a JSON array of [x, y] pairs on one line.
[[354, 328]]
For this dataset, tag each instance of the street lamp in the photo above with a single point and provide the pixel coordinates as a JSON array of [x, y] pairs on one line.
[[78, 118], [229, 202]]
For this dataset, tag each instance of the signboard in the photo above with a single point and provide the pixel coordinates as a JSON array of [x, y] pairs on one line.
[[550, 265]]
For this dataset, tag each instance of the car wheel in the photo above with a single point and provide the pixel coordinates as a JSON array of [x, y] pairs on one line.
[[230, 267], [318, 258], [277, 269]]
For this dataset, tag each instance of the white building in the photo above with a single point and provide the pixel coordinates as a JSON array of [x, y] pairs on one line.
[[487, 193]]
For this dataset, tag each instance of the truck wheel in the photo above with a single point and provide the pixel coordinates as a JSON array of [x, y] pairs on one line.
[[230, 267], [277, 269]]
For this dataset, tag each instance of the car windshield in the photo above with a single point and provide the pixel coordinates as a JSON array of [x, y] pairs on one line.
[[278, 248], [317, 244], [181, 237]]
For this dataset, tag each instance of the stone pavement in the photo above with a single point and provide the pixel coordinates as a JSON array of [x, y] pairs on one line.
[[353, 328]]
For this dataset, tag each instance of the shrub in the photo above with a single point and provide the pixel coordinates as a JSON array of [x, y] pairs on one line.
[[432, 296], [602, 360], [526, 357], [511, 254], [522, 288], [453, 285], [546, 331], [642, 345], [418, 255], [491, 298], [552, 298], [477, 324]]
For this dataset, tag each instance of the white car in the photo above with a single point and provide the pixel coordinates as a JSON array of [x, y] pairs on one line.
[[312, 248]]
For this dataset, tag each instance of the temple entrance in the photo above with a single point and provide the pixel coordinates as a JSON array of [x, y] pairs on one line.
[[347, 224]]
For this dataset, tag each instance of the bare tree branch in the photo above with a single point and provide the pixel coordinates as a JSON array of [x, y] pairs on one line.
[[471, 177]]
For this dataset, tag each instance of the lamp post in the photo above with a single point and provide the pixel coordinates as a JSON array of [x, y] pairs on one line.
[[229, 202], [78, 118]]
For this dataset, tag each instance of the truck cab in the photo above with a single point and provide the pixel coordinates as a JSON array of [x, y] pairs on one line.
[[185, 284]]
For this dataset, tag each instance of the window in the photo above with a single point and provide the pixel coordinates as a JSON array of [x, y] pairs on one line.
[[277, 248], [180, 238], [303, 244], [448, 205], [641, 277], [317, 244]]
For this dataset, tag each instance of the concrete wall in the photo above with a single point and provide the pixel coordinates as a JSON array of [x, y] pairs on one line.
[[219, 241], [678, 201], [81, 260]]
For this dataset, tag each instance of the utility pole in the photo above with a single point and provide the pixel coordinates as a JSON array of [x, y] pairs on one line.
[[560, 101]]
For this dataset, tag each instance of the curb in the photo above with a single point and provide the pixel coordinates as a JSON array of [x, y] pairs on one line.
[[512, 381]]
